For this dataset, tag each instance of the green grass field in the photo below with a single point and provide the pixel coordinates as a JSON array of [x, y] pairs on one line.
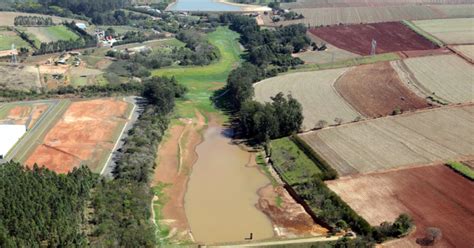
[[462, 169], [52, 33], [294, 165], [202, 81], [7, 38]]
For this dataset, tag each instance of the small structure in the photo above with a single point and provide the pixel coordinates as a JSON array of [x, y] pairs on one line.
[[9, 136], [82, 26]]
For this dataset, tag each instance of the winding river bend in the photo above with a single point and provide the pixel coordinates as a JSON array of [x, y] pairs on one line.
[[222, 192]]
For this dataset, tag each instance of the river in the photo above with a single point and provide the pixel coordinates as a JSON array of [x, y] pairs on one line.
[[202, 5], [222, 192]]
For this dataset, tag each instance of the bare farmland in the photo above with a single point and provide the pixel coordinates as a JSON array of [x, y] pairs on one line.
[[455, 10], [7, 18], [447, 77], [376, 90], [450, 31], [430, 136], [435, 196], [19, 77], [315, 91], [330, 55]]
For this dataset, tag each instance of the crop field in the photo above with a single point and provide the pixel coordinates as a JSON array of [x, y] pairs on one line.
[[466, 51], [52, 33], [330, 55], [85, 134], [455, 10], [375, 90], [447, 77], [7, 38], [19, 77], [293, 163], [316, 93], [355, 15], [390, 37], [434, 196], [347, 3], [431, 136], [450, 31]]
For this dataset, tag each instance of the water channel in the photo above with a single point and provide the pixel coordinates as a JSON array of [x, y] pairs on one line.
[[221, 197]]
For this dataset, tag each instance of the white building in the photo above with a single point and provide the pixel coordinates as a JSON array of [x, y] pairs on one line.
[[9, 135]]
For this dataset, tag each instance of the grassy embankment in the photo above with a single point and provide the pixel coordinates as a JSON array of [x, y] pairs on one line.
[[201, 82], [291, 162], [423, 33], [462, 169]]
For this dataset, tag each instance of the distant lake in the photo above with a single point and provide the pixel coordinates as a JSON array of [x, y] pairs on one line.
[[202, 5]]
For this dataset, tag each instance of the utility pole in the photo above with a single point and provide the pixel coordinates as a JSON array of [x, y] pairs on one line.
[[374, 47], [14, 52]]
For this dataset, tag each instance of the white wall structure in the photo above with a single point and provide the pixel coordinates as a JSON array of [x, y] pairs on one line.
[[9, 135]]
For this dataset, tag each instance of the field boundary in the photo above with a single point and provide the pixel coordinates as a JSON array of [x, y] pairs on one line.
[[460, 54], [423, 33], [461, 169]]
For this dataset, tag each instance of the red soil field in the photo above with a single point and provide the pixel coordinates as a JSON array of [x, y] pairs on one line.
[[390, 37], [83, 135], [434, 196], [375, 90]]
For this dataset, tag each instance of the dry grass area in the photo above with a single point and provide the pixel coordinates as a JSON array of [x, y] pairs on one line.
[[435, 196], [19, 77], [316, 93], [7, 18], [346, 3], [375, 90], [423, 137], [448, 77], [85, 134], [24, 114], [450, 31]]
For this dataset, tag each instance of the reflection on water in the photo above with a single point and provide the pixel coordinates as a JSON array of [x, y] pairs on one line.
[[221, 197], [202, 5]]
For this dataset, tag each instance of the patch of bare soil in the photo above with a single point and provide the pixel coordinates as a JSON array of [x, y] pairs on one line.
[[289, 218], [176, 156]]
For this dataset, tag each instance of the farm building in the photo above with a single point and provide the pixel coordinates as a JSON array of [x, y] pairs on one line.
[[9, 135]]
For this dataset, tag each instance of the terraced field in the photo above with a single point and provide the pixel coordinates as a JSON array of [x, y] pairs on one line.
[[447, 77], [450, 31], [316, 93], [435, 196], [424, 137], [376, 90]]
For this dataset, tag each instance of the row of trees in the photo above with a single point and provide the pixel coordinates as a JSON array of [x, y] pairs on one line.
[[122, 206], [40, 207], [33, 21]]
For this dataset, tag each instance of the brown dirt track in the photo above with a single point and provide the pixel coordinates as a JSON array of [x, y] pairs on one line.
[[83, 135], [375, 90], [434, 196], [390, 37]]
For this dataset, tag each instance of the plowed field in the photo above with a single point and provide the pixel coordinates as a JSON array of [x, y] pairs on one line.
[[390, 37], [85, 134], [448, 77], [375, 90], [435, 196], [424, 137], [316, 93]]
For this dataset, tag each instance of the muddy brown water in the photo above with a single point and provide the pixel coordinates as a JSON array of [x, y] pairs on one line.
[[222, 192]]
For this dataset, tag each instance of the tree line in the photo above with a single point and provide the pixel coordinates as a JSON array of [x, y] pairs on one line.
[[268, 52], [33, 21]]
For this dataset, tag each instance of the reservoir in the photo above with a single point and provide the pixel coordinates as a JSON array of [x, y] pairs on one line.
[[222, 192]]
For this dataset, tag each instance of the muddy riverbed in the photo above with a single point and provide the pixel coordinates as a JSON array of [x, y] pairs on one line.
[[221, 198]]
